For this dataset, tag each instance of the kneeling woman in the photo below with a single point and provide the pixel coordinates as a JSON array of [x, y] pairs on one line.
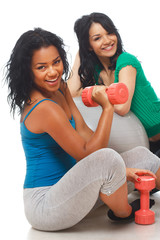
[[68, 166]]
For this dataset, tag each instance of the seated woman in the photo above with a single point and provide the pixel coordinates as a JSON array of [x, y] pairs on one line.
[[68, 165], [102, 60]]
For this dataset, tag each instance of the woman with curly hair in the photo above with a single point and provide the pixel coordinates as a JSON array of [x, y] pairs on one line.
[[68, 167]]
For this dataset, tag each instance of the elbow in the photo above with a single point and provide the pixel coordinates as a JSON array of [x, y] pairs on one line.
[[121, 110]]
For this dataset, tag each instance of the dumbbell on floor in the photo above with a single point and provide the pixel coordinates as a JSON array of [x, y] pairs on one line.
[[145, 215], [117, 94]]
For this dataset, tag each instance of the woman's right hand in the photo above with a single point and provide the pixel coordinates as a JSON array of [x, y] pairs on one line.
[[99, 96]]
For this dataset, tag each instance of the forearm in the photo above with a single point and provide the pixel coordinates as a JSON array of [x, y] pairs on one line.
[[155, 138], [100, 137], [127, 75], [74, 82], [87, 140]]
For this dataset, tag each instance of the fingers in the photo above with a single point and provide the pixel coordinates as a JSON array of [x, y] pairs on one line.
[[135, 174], [145, 173], [97, 89], [135, 178], [99, 96]]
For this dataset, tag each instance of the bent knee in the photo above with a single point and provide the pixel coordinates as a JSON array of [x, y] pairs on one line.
[[113, 160]]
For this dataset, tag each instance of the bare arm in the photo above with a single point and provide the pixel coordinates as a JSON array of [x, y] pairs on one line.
[[155, 138], [81, 126], [127, 75], [74, 141], [73, 82]]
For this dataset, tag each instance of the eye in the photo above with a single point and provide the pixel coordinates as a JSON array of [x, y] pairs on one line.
[[57, 61], [97, 38], [41, 68]]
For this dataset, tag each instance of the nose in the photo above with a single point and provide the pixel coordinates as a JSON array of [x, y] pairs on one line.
[[52, 71], [106, 39]]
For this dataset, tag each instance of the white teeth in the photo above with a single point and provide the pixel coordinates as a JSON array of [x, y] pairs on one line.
[[107, 48], [52, 80]]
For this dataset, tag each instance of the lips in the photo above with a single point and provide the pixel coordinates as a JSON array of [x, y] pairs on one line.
[[109, 47], [52, 80]]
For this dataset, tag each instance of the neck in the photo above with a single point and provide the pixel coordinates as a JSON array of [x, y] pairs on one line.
[[105, 62]]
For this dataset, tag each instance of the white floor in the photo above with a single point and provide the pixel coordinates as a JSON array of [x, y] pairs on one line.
[[95, 226]]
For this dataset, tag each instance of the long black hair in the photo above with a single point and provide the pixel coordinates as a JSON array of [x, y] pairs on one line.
[[88, 59], [19, 76]]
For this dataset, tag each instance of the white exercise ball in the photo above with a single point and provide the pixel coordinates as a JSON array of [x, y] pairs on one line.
[[127, 132]]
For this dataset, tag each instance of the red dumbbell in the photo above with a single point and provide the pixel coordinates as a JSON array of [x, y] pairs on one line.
[[145, 215], [117, 94]]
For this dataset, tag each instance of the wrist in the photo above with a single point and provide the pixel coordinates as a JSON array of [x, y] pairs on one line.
[[108, 107]]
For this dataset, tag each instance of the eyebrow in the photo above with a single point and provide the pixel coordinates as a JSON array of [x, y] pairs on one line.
[[95, 35], [41, 63]]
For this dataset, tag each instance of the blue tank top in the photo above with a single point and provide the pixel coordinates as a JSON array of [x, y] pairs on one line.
[[46, 161]]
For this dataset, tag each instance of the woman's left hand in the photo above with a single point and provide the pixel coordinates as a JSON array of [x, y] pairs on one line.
[[133, 174]]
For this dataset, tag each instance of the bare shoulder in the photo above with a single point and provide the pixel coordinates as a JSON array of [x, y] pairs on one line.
[[45, 113], [48, 108]]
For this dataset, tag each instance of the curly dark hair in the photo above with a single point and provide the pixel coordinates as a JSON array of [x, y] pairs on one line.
[[88, 59], [19, 76]]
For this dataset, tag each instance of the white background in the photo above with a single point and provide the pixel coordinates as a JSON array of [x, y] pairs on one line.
[[138, 22]]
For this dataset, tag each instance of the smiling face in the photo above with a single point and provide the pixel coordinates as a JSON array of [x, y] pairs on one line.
[[47, 68], [101, 42]]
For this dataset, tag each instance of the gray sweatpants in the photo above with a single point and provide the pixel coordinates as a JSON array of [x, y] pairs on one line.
[[67, 202]]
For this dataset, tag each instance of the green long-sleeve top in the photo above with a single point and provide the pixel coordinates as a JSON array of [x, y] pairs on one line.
[[145, 103]]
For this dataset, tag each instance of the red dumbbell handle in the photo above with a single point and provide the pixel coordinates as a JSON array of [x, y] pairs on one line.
[[117, 94], [145, 215]]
